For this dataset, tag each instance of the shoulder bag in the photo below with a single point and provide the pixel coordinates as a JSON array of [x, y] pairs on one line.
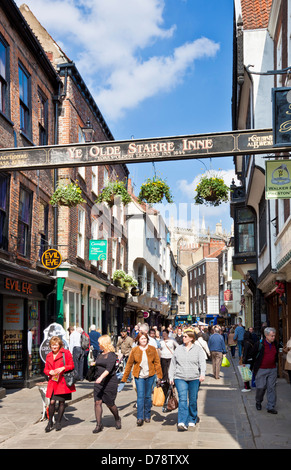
[[171, 400], [71, 376]]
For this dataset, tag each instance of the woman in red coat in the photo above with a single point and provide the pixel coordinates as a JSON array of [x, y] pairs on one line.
[[57, 389]]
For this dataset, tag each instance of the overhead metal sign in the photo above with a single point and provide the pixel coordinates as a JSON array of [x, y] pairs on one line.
[[144, 150]]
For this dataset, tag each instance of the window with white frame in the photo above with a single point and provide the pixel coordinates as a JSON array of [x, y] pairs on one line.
[[94, 235], [122, 257], [114, 255], [81, 233], [94, 174], [103, 265]]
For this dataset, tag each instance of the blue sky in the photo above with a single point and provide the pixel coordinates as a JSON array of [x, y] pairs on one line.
[[155, 68]]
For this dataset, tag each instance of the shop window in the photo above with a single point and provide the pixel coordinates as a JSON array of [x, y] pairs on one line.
[[24, 98], [3, 76], [24, 222], [13, 353], [4, 191], [33, 339]]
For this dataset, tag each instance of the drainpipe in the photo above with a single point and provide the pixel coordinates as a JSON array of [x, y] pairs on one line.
[[59, 281]]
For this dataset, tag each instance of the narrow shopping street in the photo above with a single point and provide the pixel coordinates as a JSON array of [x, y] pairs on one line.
[[227, 420]]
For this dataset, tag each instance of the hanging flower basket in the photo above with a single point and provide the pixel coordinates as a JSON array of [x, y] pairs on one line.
[[154, 190], [123, 280], [113, 191], [69, 195], [211, 190]]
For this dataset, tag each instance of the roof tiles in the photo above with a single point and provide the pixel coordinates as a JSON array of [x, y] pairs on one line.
[[256, 13]]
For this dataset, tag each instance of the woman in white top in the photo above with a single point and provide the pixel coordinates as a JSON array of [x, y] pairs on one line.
[[146, 365], [167, 348], [203, 344]]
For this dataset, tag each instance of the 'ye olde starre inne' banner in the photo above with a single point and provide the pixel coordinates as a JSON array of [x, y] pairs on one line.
[[134, 151]]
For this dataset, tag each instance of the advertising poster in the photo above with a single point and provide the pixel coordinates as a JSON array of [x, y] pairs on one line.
[[278, 181]]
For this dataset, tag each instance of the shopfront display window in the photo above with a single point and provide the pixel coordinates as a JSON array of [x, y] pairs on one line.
[[12, 339], [33, 339], [72, 308]]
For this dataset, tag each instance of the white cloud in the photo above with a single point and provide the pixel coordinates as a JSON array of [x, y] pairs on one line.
[[110, 40]]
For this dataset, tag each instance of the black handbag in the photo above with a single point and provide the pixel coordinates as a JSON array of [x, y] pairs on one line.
[[91, 374], [71, 376]]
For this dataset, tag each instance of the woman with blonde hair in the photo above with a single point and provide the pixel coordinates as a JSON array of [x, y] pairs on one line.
[[106, 383]]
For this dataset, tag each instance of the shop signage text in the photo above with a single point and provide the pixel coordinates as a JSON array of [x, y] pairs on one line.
[[133, 151], [51, 259], [278, 179], [18, 286], [98, 250], [281, 98]]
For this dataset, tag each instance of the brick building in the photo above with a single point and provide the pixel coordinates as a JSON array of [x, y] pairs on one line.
[[28, 85], [203, 281], [44, 101], [85, 294]]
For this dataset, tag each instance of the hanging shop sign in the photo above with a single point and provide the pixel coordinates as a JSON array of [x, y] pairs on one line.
[[51, 259], [98, 250], [278, 179], [281, 98], [134, 151]]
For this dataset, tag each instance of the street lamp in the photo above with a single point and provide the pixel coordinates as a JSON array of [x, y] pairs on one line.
[[88, 132]]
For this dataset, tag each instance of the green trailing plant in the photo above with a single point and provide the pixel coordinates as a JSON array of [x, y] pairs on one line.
[[154, 190], [112, 191], [123, 280], [211, 190], [118, 274], [69, 195]]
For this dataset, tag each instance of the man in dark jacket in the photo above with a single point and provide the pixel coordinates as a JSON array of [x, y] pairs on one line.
[[265, 359]]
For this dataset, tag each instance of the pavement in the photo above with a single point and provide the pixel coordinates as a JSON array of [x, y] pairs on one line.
[[228, 419]]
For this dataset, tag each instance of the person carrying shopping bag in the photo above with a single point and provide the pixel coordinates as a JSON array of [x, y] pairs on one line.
[[187, 370], [146, 365]]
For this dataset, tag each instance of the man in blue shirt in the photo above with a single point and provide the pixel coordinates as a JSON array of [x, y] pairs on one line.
[[217, 348], [239, 336], [94, 336]]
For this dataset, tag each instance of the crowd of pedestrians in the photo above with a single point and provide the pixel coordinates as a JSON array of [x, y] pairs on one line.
[[161, 357]]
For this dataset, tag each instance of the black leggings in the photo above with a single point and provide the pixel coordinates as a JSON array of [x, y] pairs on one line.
[[98, 411], [61, 410]]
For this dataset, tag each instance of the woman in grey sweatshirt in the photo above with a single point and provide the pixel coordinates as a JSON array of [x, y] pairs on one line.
[[187, 370]]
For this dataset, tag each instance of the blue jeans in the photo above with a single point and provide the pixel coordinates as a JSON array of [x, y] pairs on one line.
[[144, 396], [240, 346], [187, 392]]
